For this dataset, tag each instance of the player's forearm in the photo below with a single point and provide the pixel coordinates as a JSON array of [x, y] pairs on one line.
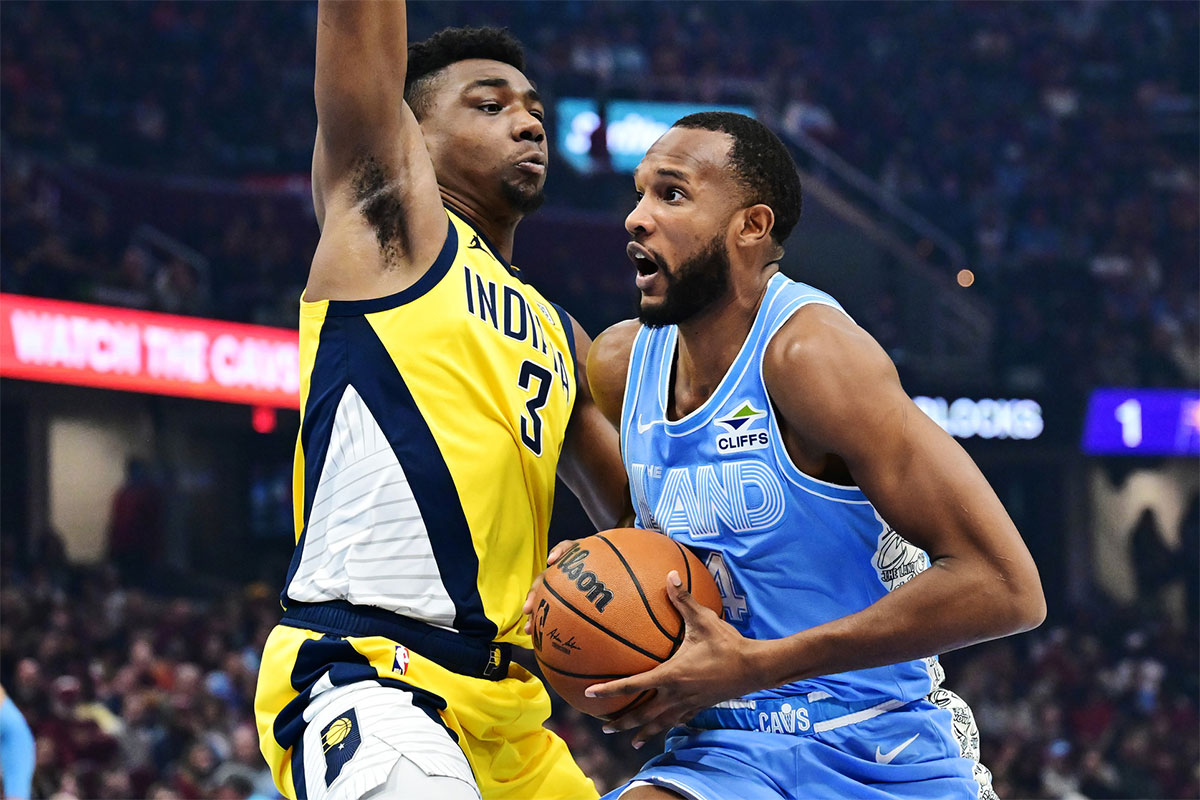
[[950, 605], [595, 476], [362, 55]]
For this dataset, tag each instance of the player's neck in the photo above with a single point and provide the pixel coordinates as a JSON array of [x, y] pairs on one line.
[[709, 343], [499, 229]]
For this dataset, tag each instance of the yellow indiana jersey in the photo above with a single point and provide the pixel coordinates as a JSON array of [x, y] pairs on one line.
[[432, 423]]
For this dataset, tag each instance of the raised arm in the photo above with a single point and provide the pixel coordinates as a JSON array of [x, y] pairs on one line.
[[374, 189], [362, 53]]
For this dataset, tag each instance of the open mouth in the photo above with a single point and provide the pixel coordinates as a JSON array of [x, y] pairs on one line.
[[642, 259]]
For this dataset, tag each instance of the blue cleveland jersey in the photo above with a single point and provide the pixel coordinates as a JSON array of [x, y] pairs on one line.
[[788, 551]]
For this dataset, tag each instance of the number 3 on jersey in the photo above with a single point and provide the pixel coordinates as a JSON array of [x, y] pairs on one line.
[[535, 379], [733, 601]]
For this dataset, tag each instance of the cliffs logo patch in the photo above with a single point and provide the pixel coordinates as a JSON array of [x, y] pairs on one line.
[[339, 741], [741, 435]]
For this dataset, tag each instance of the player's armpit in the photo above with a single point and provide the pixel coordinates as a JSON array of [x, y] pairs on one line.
[[591, 459], [374, 189]]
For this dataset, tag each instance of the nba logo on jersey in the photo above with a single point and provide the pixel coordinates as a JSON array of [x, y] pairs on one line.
[[340, 741], [739, 436], [400, 665]]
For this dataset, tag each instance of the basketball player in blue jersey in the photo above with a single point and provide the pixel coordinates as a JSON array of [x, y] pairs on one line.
[[851, 538], [441, 396]]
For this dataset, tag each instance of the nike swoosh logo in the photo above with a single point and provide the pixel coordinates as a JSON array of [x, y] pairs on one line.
[[642, 427], [886, 758]]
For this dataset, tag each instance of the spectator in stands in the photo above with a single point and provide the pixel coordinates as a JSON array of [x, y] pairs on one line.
[[178, 289], [804, 116], [128, 284], [1035, 163], [245, 765], [135, 528]]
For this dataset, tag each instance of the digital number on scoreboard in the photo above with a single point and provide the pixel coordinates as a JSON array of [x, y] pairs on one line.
[[1162, 422]]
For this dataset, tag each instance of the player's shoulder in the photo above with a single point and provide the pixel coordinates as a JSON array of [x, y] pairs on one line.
[[820, 342], [619, 337], [608, 365], [613, 346]]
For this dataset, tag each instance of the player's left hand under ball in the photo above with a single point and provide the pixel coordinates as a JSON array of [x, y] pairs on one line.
[[714, 663]]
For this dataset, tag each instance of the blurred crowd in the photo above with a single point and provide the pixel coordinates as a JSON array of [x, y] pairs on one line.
[[1102, 705], [1055, 142], [134, 694], [154, 155]]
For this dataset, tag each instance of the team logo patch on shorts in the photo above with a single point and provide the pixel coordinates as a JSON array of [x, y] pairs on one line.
[[340, 740]]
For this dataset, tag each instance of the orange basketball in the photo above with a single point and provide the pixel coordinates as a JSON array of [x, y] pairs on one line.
[[602, 612]]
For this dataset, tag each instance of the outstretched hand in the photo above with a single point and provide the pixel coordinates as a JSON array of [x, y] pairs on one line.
[[714, 663], [555, 554]]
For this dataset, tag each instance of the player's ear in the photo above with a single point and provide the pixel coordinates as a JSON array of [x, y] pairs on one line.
[[756, 224]]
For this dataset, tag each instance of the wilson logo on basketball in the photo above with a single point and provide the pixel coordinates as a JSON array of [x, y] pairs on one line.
[[572, 565]]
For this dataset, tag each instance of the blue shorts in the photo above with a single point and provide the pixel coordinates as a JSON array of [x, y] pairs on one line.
[[909, 752]]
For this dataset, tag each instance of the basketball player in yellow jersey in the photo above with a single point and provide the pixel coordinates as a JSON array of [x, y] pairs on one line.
[[440, 397]]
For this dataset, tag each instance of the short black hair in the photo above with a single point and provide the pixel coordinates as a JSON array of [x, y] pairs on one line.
[[450, 45], [761, 163]]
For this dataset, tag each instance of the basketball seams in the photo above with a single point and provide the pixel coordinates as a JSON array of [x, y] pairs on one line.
[[637, 584], [686, 564], [601, 677], [597, 625]]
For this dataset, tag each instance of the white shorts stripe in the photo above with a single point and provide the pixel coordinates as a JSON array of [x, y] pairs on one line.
[[857, 716]]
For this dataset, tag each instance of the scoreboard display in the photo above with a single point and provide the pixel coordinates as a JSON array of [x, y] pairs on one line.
[[631, 127], [1143, 422]]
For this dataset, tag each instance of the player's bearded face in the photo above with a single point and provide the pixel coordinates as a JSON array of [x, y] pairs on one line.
[[692, 286], [523, 195]]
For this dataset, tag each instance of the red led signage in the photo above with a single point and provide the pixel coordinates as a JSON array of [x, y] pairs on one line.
[[138, 351]]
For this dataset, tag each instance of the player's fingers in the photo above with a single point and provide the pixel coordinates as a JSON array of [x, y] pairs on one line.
[[635, 684], [558, 550], [636, 717], [665, 720], [527, 609], [682, 599]]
